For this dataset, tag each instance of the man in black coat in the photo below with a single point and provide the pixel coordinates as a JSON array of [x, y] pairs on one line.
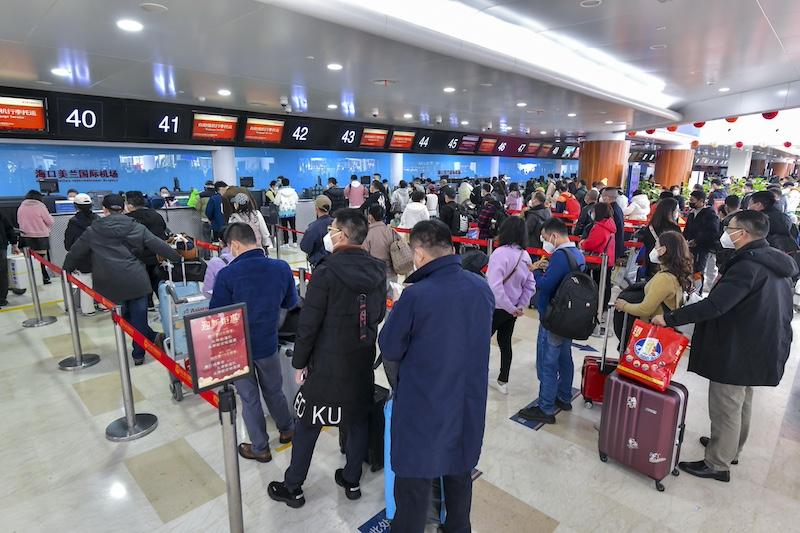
[[781, 230], [535, 218], [586, 218], [702, 230], [154, 222], [334, 353], [7, 236], [117, 273], [726, 349], [336, 194]]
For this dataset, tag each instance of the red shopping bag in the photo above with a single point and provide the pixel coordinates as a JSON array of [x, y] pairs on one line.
[[652, 355]]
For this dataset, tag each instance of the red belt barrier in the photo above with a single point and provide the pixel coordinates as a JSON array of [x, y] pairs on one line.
[[296, 273], [476, 242], [96, 296], [55, 268], [207, 245], [402, 230], [290, 230], [565, 215], [590, 259]]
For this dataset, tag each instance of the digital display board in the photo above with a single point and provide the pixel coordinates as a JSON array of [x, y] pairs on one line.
[[22, 114], [468, 144], [168, 123], [511, 146], [533, 149], [577, 153], [568, 150], [214, 127], [263, 130], [80, 117], [348, 136], [373, 138], [544, 150], [486, 145], [556, 150], [402, 140], [302, 132]]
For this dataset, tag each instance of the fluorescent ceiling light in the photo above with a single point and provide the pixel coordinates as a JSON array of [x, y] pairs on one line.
[[527, 41], [543, 132], [465, 122], [724, 89], [449, 89], [408, 115], [609, 121], [521, 104], [572, 115], [60, 71], [334, 66], [130, 25], [224, 92], [332, 106]]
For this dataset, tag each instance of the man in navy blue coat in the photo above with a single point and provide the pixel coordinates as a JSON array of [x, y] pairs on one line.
[[439, 332]]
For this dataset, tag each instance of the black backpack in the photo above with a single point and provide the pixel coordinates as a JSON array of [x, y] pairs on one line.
[[500, 216], [459, 224], [572, 313]]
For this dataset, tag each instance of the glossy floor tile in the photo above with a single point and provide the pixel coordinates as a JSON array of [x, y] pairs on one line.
[[60, 346], [103, 393]]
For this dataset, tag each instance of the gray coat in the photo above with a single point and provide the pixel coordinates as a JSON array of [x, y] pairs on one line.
[[113, 243]]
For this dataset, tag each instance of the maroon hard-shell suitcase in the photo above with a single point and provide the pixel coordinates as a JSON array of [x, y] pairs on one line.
[[643, 428]]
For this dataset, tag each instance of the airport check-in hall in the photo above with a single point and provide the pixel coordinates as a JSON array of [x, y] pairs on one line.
[[482, 266]]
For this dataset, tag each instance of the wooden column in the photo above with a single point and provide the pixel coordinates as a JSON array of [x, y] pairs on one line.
[[674, 167], [604, 160], [780, 169], [758, 167]]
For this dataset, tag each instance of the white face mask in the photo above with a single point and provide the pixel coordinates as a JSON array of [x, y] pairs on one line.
[[726, 241], [328, 243], [653, 256], [548, 247]]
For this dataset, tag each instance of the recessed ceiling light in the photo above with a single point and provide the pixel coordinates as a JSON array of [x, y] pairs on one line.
[[332, 106], [486, 84], [783, 92], [408, 115], [334, 66], [609, 121], [465, 122], [572, 115], [724, 89], [591, 3], [449, 89], [130, 25], [201, 98], [543, 132], [521, 104], [661, 28], [310, 57], [60, 71], [224, 92], [658, 46]]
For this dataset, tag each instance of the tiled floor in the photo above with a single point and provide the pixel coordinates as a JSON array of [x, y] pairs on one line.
[[61, 474]]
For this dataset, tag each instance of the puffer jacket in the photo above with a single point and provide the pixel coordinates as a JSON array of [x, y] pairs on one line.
[[601, 239], [639, 208], [154, 222], [287, 199]]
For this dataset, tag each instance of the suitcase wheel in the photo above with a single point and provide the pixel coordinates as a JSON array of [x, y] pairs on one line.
[[659, 486], [588, 404], [177, 391], [603, 457]]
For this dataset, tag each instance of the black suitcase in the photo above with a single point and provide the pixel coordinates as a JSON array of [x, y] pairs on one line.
[[374, 456]]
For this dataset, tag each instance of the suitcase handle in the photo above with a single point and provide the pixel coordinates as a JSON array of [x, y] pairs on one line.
[[174, 295]]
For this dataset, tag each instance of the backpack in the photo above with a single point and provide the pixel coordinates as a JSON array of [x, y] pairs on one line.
[[401, 256], [499, 217], [459, 224], [572, 313]]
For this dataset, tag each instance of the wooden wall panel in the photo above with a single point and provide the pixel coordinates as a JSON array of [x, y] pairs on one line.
[[781, 169], [674, 167], [758, 167], [604, 160]]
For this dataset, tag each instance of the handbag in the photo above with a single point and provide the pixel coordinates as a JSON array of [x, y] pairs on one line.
[[402, 258], [652, 355]]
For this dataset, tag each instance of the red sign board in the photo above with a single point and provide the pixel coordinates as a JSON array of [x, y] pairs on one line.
[[374, 138], [219, 346], [22, 114], [214, 127], [533, 148], [487, 145], [262, 130], [402, 140]]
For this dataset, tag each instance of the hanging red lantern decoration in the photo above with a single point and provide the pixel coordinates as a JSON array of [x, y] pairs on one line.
[[770, 115], [695, 144], [739, 144], [699, 124], [787, 144], [672, 128], [632, 133], [649, 132], [731, 119]]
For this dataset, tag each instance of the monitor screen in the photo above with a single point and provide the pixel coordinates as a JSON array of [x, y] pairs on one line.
[[48, 186], [214, 127], [22, 114], [246, 181]]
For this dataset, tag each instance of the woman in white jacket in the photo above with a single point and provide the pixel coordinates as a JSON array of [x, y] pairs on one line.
[[416, 211], [244, 212], [639, 208], [287, 199]]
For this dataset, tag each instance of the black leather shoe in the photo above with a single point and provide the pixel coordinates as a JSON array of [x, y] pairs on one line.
[[705, 440], [278, 492], [19, 292], [701, 469], [564, 406], [352, 491], [535, 414], [3, 303]]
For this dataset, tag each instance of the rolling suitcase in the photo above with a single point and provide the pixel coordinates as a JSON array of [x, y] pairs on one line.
[[290, 386], [595, 370], [643, 428], [377, 424]]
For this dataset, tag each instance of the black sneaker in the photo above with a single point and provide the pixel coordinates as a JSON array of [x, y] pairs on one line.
[[704, 442], [278, 492], [353, 492], [138, 362], [564, 406], [3, 303], [535, 414], [47, 281], [19, 292]]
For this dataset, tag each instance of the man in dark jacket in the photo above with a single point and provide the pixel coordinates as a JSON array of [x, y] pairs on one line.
[[7, 236], [336, 194], [755, 282], [439, 408], [491, 212], [702, 229], [333, 354], [535, 218], [448, 209], [312, 242], [80, 222], [609, 195], [214, 211], [781, 230], [154, 222], [266, 286], [586, 218], [117, 273]]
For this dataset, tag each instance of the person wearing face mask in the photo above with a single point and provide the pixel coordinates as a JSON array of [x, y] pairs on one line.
[[702, 228], [415, 211], [610, 195], [272, 191], [312, 242], [664, 219], [266, 286], [333, 354], [665, 290], [753, 291], [554, 366], [439, 408]]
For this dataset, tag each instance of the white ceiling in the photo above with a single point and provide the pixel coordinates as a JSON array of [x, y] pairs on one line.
[[262, 52]]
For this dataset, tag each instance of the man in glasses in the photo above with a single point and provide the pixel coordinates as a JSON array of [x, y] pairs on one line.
[[742, 337]]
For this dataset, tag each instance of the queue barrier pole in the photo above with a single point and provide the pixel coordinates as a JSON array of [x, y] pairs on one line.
[[131, 426], [38, 319], [301, 274], [602, 294], [79, 360], [277, 240], [227, 419]]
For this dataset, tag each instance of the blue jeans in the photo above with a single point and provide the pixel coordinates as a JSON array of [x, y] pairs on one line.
[[267, 377], [555, 369], [135, 312]]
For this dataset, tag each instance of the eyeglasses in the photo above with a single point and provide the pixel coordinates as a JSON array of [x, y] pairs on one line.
[[735, 228]]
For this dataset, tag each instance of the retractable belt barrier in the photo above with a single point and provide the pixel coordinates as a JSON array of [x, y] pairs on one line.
[[290, 230], [207, 245]]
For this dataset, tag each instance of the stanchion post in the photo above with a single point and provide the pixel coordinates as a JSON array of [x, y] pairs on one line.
[[301, 273], [602, 292], [277, 239], [80, 359], [38, 319], [227, 419], [131, 426], [489, 246]]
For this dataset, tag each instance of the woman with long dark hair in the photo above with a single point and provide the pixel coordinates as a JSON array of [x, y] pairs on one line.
[[513, 285], [667, 288], [665, 218], [244, 211]]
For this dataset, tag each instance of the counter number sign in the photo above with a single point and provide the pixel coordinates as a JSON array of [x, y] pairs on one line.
[[82, 118]]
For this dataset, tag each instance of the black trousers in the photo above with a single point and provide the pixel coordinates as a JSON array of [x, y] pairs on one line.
[[290, 222], [3, 274], [413, 499], [304, 441], [700, 260], [503, 323]]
